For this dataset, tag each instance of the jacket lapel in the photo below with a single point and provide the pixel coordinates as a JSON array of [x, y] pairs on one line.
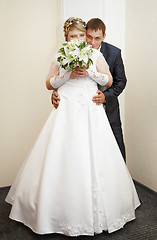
[[103, 50]]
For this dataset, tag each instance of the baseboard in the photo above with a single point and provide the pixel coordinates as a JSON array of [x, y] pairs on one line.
[[145, 187]]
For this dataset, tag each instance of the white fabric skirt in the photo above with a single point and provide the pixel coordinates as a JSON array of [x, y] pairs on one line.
[[74, 181]]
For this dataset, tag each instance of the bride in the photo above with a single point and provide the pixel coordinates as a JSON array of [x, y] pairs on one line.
[[75, 181]]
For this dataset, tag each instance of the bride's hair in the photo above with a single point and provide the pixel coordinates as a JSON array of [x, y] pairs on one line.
[[73, 22]]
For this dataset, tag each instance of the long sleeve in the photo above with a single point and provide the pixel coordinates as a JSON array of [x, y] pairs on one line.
[[57, 81], [101, 73], [56, 76]]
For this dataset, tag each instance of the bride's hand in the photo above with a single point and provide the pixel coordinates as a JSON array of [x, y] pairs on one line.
[[79, 72]]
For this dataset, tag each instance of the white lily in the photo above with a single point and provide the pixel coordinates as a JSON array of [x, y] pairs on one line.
[[83, 57], [70, 46], [66, 60], [75, 52], [66, 50]]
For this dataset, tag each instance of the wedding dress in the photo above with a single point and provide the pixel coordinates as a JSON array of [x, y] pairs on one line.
[[74, 181]]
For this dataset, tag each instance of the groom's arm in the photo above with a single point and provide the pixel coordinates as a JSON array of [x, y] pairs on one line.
[[119, 79], [55, 99]]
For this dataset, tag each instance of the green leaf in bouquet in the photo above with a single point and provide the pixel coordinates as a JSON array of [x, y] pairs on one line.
[[59, 59], [64, 66], [72, 64], [64, 43], [62, 51], [89, 62], [80, 64], [82, 45]]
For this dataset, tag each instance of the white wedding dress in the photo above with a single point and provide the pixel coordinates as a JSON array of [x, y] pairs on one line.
[[74, 181]]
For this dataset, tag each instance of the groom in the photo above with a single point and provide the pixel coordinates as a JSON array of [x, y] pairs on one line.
[[108, 97]]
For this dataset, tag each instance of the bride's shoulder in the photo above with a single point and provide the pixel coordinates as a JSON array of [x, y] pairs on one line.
[[96, 53]]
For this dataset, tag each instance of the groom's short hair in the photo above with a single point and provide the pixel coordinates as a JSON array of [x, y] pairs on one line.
[[95, 24]]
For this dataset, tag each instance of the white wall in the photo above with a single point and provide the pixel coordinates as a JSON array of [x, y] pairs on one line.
[[141, 92], [28, 41]]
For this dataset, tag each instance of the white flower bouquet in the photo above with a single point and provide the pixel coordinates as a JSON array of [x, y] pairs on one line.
[[75, 53]]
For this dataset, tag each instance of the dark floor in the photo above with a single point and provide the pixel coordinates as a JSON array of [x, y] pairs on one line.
[[143, 228]]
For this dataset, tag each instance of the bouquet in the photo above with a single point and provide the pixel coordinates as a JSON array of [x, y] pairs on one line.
[[75, 53]]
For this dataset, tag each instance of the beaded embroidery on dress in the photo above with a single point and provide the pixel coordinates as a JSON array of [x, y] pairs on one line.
[[74, 181]]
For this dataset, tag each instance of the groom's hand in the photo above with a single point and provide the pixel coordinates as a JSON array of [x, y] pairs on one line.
[[55, 100], [99, 99]]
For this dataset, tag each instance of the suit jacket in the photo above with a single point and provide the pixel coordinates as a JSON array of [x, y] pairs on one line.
[[113, 57]]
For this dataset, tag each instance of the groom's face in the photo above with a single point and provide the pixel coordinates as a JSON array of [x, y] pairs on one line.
[[95, 38]]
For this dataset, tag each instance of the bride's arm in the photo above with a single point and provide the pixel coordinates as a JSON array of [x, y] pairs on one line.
[[102, 67], [55, 78], [53, 71], [102, 74]]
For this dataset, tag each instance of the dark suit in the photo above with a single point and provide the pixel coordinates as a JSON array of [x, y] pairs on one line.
[[112, 55]]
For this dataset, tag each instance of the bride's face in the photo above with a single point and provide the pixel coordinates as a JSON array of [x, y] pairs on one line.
[[75, 33]]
